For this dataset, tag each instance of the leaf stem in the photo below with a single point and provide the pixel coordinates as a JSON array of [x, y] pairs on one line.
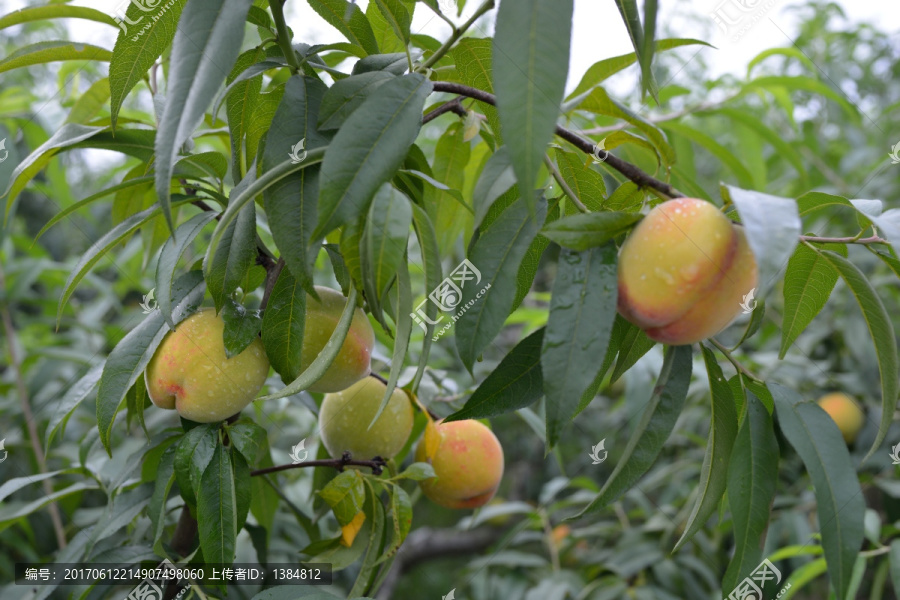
[[284, 39], [457, 33], [735, 362], [565, 186], [843, 240]]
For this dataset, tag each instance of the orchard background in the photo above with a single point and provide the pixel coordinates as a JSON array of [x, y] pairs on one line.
[[213, 156]]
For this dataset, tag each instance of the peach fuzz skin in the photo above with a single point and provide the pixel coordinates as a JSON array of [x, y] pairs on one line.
[[353, 361], [684, 271], [845, 412], [190, 373], [468, 464]]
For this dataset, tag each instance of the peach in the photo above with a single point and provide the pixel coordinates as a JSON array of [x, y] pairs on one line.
[[190, 373], [353, 361], [345, 416], [468, 463], [845, 412], [684, 271]]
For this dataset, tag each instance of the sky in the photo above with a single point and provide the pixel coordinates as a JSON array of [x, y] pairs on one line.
[[597, 33]]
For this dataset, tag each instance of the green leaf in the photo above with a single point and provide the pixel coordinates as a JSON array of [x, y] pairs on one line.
[[44, 52], [401, 515], [397, 17], [632, 19], [241, 327], [607, 67], [774, 138], [582, 311], [431, 265], [882, 332], [291, 204], [217, 508], [772, 225], [346, 95], [895, 563], [801, 83], [530, 66], [347, 18], [208, 36], [171, 253], [249, 439], [515, 383], [54, 11], [496, 179], [385, 239], [90, 102], [497, 255], [723, 431], [376, 542], [234, 255], [651, 8], [599, 101], [193, 455], [839, 501], [129, 358], [417, 471], [587, 183], [473, 60], [321, 363], [401, 338], [651, 433], [345, 494], [369, 147], [65, 137], [73, 397], [808, 282], [448, 211], [752, 476], [634, 344], [11, 512], [144, 37], [165, 477], [584, 231], [282, 326], [395, 63]]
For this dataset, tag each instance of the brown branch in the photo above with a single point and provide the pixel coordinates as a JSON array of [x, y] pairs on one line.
[[843, 240], [272, 273], [22, 390], [377, 464], [453, 106], [627, 169]]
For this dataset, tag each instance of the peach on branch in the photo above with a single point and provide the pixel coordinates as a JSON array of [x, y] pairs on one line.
[[684, 271], [844, 412], [353, 361], [190, 372], [468, 463], [345, 416]]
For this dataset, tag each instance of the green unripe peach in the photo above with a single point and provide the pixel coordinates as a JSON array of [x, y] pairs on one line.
[[684, 271], [345, 416], [468, 461], [845, 413], [190, 373], [353, 361]]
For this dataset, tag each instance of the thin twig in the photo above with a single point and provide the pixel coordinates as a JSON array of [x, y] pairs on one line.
[[453, 106], [843, 240], [377, 464], [627, 169], [14, 361], [735, 362], [565, 186], [283, 36], [456, 34]]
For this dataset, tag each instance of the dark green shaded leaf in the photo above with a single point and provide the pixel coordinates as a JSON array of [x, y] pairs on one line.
[[217, 508], [589, 230]]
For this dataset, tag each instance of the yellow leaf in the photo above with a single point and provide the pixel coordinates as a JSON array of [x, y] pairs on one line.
[[349, 531], [471, 126]]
